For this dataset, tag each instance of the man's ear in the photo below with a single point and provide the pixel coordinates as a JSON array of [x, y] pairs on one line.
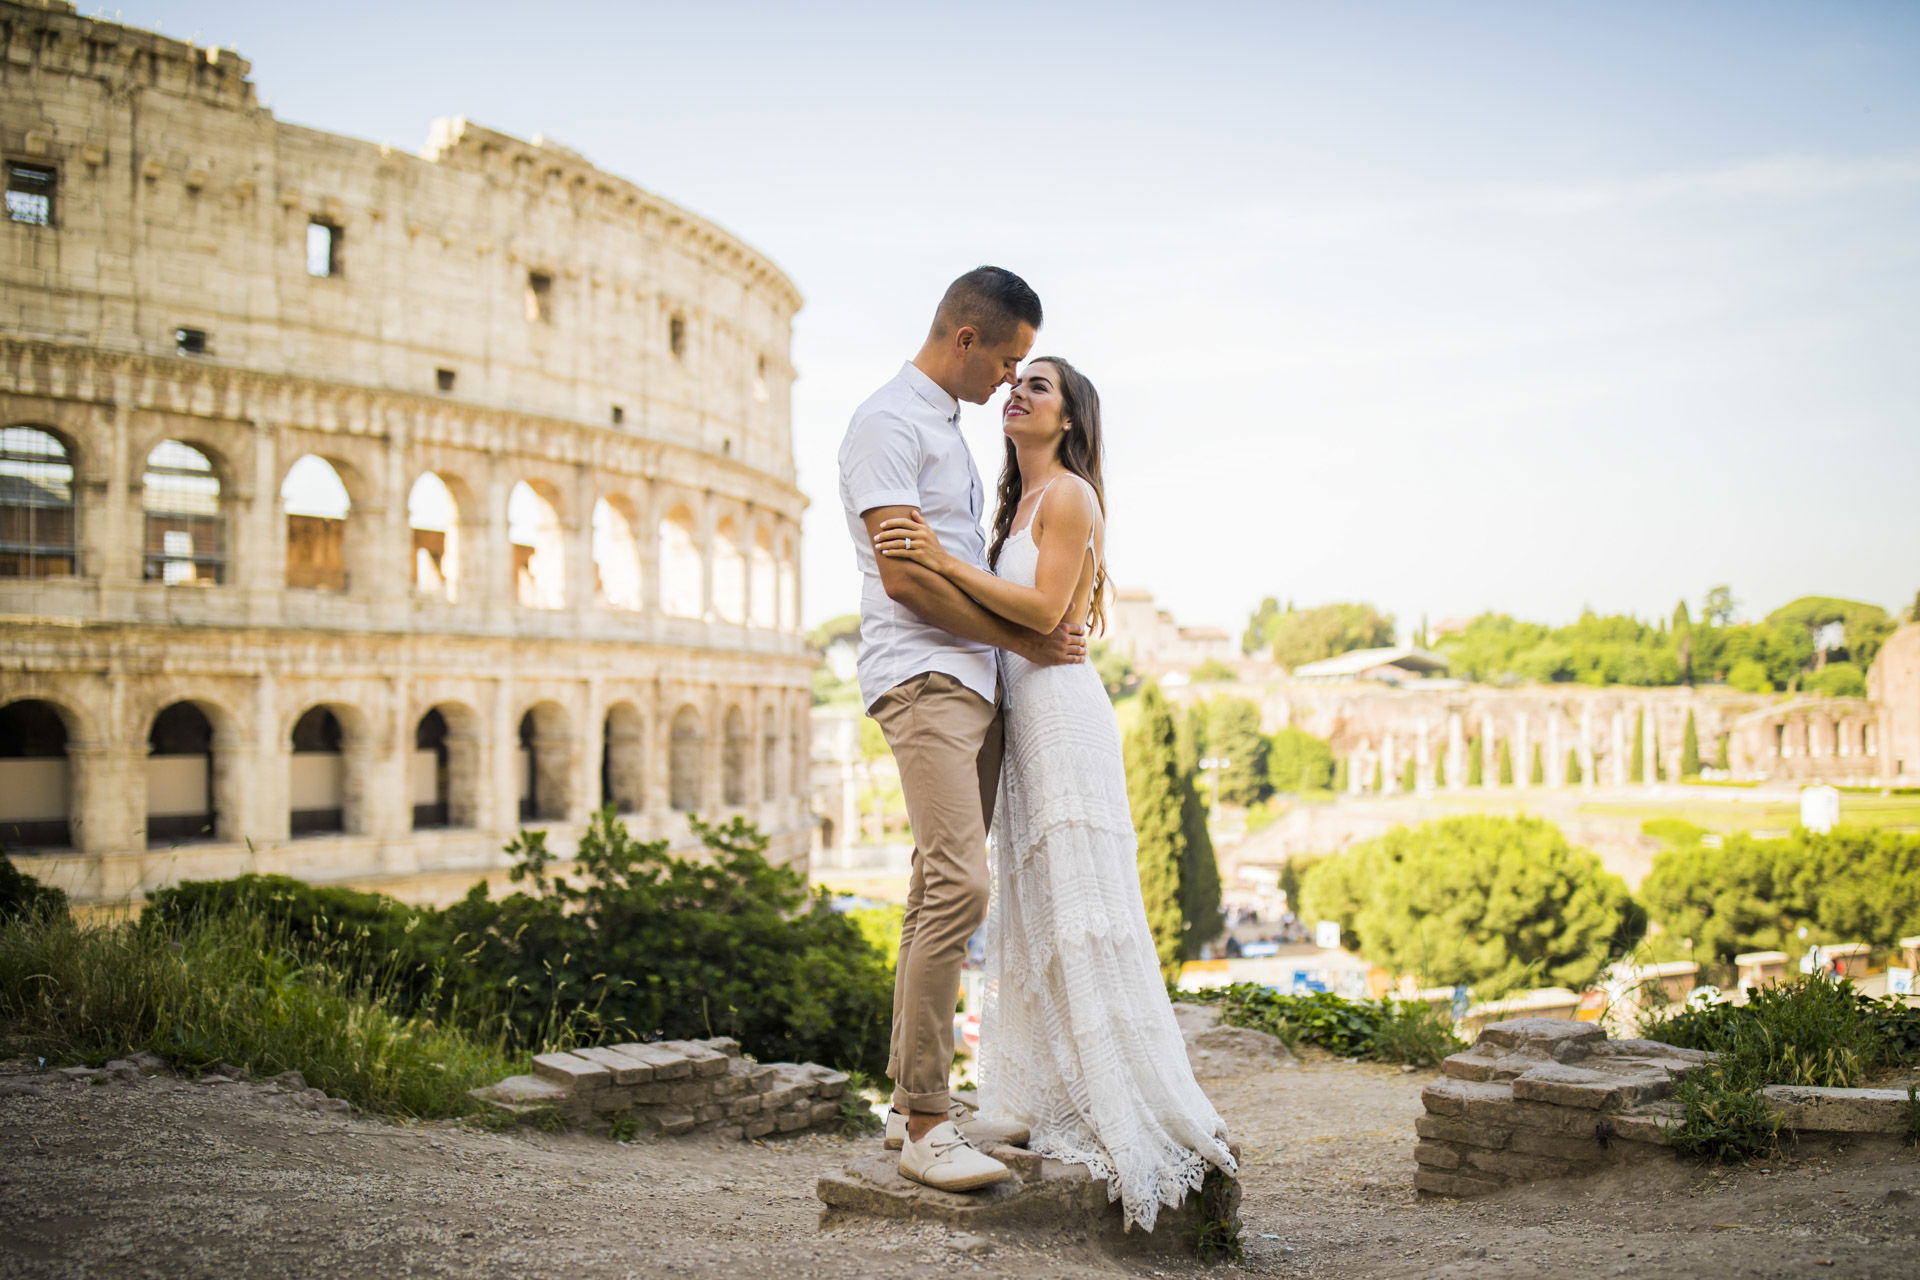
[[965, 336]]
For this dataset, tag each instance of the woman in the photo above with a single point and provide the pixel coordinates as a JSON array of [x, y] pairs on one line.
[[1077, 1040]]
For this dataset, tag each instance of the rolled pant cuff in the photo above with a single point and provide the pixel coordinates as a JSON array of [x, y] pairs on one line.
[[935, 1103]]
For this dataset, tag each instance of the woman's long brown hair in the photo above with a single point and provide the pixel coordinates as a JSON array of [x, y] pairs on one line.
[[1080, 452]]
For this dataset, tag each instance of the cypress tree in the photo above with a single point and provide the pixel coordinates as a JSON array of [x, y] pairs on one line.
[[1379, 776], [1476, 763], [1539, 771], [1655, 771], [1637, 762], [1201, 920], [1410, 776], [1573, 766], [1340, 776], [1690, 749], [1720, 754], [1440, 771], [1155, 793], [1506, 762]]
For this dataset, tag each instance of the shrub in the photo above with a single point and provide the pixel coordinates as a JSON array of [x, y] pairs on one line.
[[1385, 1030], [1298, 762], [1494, 903], [21, 896]]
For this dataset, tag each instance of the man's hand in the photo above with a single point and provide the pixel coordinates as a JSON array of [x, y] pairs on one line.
[[1064, 645]]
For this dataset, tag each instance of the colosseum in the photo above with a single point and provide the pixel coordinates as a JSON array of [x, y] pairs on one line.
[[358, 508]]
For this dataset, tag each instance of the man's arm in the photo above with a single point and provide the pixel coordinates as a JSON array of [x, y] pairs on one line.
[[940, 603]]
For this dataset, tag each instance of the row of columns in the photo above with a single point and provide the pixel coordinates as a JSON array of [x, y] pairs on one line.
[[1603, 744]]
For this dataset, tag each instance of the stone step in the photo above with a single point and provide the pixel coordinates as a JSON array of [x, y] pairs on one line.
[[577, 1074], [520, 1094]]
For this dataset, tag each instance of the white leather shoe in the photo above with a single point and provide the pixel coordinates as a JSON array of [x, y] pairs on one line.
[[946, 1161], [973, 1126]]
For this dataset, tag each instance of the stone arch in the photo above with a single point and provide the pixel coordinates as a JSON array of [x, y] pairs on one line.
[[684, 771], [736, 746], [769, 753], [317, 505], [763, 577], [433, 517], [36, 776], [546, 763], [323, 742], [182, 496], [39, 516], [538, 545], [623, 759], [444, 769], [181, 755], [618, 580], [729, 572], [681, 570]]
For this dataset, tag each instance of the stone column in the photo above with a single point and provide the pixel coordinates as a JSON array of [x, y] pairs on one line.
[[1389, 772], [646, 498], [107, 791], [500, 796], [488, 565], [578, 538], [1522, 754], [1423, 762], [1617, 749], [1556, 762], [261, 806], [1456, 752]]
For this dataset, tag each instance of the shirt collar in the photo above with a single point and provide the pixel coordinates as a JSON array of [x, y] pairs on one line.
[[930, 391]]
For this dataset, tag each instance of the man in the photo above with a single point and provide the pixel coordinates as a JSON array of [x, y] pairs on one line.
[[928, 675]]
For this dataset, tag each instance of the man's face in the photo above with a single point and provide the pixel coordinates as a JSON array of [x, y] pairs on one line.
[[989, 366]]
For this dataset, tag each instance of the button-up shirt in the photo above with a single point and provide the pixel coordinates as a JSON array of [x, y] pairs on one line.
[[903, 448]]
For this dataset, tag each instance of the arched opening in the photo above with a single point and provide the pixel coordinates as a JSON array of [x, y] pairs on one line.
[[769, 756], [180, 803], [733, 771], [729, 573], [616, 555], [623, 760], [35, 778], [763, 574], [679, 564], [36, 505], [539, 549], [316, 796], [186, 535], [434, 517], [683, 766], [317, 506], [430, 772], [546, 757], [789, 586]]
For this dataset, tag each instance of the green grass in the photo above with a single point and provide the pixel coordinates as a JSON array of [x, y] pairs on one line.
[[231, 991], [1894, 812], [1388, 1030]]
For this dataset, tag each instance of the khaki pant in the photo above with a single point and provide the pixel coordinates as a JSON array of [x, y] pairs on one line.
[[946, 740]]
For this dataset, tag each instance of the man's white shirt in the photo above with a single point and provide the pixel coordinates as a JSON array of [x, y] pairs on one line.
[[903, 448]]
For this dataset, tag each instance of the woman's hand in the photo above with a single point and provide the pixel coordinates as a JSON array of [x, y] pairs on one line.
[[909, 538]]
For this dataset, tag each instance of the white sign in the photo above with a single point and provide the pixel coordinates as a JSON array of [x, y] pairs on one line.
[[1819, 809], [1326, 935]]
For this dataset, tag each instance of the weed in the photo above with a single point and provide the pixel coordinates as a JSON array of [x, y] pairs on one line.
[[857, 1117], [1216, 1237], [1385, 1030], [1913, 1115], [623, 1127], [1723, 1121]]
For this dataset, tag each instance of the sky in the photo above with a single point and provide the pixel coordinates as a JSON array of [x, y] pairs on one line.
[[1529, 307]]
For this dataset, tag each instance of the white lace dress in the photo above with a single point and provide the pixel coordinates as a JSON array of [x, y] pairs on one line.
[[1078, 1040]]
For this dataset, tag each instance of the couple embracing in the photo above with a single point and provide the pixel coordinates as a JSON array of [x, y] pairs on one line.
[[973, 661]]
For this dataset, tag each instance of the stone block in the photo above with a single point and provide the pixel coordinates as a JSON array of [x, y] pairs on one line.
[[690, 1092], [1447, 1129], [1812, 1110], [757, 1126], [522, 1094], [607, 1101], [1646, 1124], [747, 1105], [666, 1064], [828, 1083], [626, 1068], [577, 1074], [1460, 1098], [784, 1095], [825, 1111], [1456, 1185], [1561, 1039], [1652, 1051], [730, 1132], [722, 1044], [1436, 1155], [727, 1086], [1516, 1165], [706, 1062], [793, 1118], [1566, 1086], [673, 1123], [708, 1112], [1578, 1150]]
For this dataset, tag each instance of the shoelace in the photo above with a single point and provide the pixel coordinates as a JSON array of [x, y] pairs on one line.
[[940, 1149]]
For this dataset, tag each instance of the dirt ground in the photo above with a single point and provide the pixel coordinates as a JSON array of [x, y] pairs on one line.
[[169, 1179]]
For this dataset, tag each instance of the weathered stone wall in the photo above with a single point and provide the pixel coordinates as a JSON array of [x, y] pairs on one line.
[[677, 1087], [1893, 683], [651, 372]]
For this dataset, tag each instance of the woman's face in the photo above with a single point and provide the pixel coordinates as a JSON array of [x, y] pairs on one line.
[[1035, 411]]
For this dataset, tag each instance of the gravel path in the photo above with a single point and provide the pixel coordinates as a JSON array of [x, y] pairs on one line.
[[176, 1180]]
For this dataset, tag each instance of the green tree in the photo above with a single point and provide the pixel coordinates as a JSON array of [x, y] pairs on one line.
[[1690, 748], [1506, 763], [1574, 776], [1379, 776], [1212, 671], [1340, 776], [1155, 793], [1656, 770], [1719, 607], [1300, 636], [1913, 610], [1837, 680], [1496, 903], [1299, 763], [1410, 776], [1846, 628], [1476, 763], [1201, 920], [1192, 743], [1637, 762], [1234, 734], [1115, 670], [1538, 773], [1258, 637], [1440, 771], [1749, 675], [1720, 752]]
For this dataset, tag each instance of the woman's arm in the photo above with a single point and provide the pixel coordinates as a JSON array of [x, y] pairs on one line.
[[1065, 519]]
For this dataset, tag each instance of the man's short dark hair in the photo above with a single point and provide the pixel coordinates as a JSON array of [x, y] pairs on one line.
[[991, 299]]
